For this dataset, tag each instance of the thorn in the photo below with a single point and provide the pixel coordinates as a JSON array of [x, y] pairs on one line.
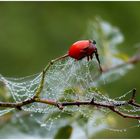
[[43, 72], [112, 107], [77, 103], [132, 100], [19, 108], [133, 94], [59, 106], [134, 90], [51, 62], [92, 101]]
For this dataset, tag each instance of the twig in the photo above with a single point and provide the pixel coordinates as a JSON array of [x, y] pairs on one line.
[[40, 87], [133, 60], [110, 105]]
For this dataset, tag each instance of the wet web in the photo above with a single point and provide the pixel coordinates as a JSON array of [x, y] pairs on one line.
[[65, 81], [69, 80]]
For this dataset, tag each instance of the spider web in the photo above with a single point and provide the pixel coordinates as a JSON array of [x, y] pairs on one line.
[[70, 80], [67, 80]]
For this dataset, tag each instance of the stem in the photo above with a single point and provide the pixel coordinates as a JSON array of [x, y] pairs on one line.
[[40, 87], [133, 60]]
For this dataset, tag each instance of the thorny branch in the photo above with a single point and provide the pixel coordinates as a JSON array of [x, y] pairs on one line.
[[110, 105]]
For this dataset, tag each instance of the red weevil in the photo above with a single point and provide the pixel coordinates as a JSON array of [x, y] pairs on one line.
[[84, 48]]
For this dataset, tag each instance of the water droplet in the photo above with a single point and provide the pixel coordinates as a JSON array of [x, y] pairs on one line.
[[43, 125], [124, 130]]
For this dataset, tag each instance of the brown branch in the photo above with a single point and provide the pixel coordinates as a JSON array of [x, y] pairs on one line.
[[133, 60], [110, 105]]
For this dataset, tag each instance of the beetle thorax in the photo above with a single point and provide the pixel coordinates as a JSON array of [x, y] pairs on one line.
[[92, 48]]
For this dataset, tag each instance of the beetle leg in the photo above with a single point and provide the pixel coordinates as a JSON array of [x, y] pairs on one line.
[[97, 57], [88, 58], [91, 56]]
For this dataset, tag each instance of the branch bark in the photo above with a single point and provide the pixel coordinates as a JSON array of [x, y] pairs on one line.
[[110, 105]]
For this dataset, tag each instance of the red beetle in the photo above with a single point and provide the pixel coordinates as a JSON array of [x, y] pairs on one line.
[[84, 48]]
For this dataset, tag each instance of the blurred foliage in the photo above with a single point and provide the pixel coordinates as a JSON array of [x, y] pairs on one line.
[[64, 132], [32, 33]]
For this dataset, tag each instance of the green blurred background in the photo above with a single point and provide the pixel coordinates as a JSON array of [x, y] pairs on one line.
[[32, 33]]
